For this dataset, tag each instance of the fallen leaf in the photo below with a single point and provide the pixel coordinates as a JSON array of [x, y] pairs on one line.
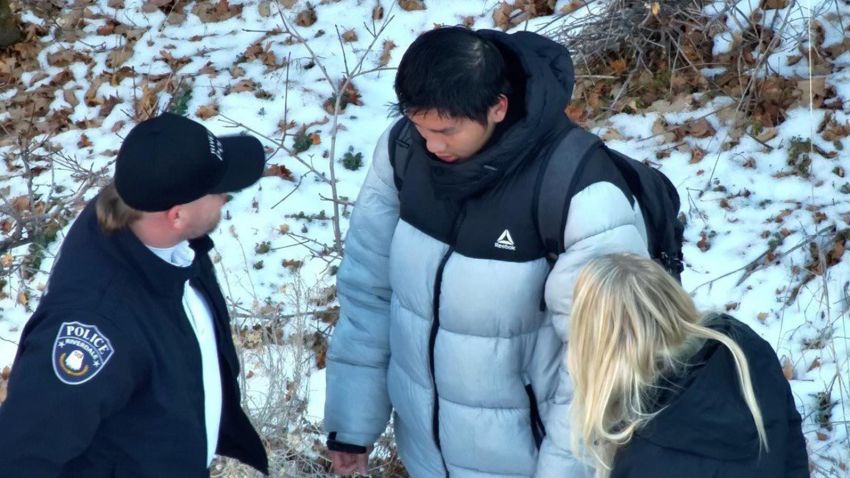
[[265, 8], [206, 112], [280, 171], [774, 4], [762, 316], [23, 298], [21, 203], [116, 58], [571, 7], [697, 155], [71, 98], [386, 54], [378, 12], [349, 35], [815, 364], [306, 17], [787, 369], [704, 242], [618, 66], [84, 141], [244, 85], [411, 5]]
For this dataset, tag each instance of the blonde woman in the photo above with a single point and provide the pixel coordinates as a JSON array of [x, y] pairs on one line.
[[662, 391]]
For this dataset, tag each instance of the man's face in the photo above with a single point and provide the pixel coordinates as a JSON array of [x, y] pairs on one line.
[[456, 139], [202, 215]]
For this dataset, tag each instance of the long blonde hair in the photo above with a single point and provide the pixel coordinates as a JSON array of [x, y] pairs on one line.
[[632, 324]]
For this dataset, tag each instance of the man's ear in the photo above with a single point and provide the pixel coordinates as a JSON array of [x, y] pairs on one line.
[[176, 217], [498, 111]]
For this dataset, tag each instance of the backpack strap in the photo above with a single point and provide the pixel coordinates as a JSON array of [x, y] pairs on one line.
[[562, 168], [399, 150]]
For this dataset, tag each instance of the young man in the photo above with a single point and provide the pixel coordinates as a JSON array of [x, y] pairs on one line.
[[451, 315], [127, 367]]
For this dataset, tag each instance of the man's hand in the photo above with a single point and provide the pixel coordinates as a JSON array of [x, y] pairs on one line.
[[349, 463]]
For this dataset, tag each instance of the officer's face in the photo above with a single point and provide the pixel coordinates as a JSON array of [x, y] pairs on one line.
[[202, 215], [456, 139]]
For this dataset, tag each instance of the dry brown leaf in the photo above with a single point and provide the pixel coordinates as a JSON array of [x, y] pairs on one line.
[[773, 4], [571, 7], [815, 364], [175, 63], [23, 298], [618, 66], [210, 12], [175, 18], [90, 97], [3, 392], [315, 138], [117, 57], [576, 113], [84, 141], [378, 13], [411, 5], [244, 85], [704, 242], [788, 369], [812, 87], [386, 52], [349, 35], [21, 203], [265, 8], [838, 49], [71, 97], [612, 134], [108, 105], [306, 17], [762, 316], [118, 126], [288, 3], [697, 154], [206, 112], [282, 172], [502, 15]]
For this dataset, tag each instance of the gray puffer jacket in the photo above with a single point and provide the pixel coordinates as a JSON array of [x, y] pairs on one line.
[[451, 316]]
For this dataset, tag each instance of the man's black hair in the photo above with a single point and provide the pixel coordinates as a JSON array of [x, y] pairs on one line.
[[454, 71]]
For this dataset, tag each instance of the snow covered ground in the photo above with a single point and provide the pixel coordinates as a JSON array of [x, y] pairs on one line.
[[763, 242]]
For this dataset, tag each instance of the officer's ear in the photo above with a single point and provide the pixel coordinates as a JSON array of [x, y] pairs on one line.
[[177, 217]]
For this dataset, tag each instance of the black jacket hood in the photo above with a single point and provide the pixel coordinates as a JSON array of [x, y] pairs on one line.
[[708, 415], [548, 74]]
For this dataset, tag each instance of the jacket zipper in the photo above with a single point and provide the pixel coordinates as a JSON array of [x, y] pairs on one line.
[[435, 326]]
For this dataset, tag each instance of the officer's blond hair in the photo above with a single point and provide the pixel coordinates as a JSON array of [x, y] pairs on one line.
[[631, 325], [113, 214]]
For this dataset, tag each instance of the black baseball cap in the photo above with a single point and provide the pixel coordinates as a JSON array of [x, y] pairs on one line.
[[170, 160]]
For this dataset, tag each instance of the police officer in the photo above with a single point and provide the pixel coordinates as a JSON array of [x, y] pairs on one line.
[[127, 367]]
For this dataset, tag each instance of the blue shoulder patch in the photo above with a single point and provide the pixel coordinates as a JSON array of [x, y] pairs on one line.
[[80, 351]]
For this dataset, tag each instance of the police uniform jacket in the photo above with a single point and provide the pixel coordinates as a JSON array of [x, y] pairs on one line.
[[107, 381]]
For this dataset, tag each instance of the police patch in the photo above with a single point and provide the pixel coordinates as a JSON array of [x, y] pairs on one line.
[[80, 352]]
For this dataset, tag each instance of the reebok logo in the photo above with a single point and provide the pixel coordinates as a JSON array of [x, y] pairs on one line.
[[505, 241]]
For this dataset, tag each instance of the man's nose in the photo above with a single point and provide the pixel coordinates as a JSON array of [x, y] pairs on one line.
[[435, 145]]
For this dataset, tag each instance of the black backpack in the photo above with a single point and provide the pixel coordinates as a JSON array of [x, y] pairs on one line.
[[556, 184]]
